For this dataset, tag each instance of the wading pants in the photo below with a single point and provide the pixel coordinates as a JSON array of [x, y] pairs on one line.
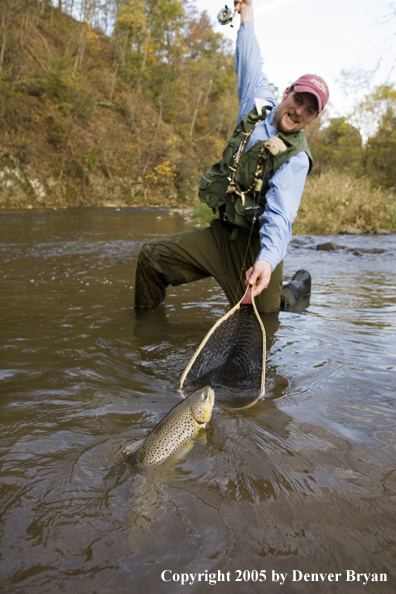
[[192, 255]]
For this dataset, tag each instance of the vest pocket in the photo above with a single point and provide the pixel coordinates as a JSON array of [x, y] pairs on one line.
[[213, 186], [239, 214]]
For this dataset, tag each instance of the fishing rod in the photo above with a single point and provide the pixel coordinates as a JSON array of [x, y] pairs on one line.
[[226, 16]]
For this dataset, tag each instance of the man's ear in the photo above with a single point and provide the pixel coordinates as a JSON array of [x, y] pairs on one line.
[[285, 93]]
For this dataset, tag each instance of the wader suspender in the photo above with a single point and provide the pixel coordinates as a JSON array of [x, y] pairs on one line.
[[231, 186]]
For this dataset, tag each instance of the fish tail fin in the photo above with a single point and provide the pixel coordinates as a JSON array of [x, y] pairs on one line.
[[131, 451]]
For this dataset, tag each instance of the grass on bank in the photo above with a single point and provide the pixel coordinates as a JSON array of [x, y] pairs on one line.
[[334, 203]]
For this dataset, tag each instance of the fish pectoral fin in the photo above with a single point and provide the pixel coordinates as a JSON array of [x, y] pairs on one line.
[[131, 449], [188, 445], [201, 438], [184, 449]]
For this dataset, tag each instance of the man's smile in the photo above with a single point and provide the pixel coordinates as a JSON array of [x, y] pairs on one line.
[[293, 118]]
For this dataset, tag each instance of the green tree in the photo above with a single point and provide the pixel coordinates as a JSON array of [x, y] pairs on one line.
[[337, 146], [380, 153]]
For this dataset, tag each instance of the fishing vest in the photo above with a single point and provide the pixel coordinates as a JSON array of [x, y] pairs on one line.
[[241, 179]]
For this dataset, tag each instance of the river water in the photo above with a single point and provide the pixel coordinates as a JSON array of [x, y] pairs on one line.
[[302, 483]]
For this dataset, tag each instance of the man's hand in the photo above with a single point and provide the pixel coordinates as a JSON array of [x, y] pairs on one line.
[[245, 7], [260, 274]]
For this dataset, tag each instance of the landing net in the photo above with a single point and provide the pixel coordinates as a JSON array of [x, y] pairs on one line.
[[232, 354]]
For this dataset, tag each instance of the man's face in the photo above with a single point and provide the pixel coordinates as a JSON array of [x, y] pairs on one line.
[[295, 112]]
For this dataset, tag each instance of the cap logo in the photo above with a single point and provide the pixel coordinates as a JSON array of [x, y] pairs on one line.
[[318, 84]]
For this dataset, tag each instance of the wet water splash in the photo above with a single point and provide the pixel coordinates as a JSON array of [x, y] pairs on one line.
[[305, 480]]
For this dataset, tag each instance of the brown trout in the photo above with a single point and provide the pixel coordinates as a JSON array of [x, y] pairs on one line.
[[180, 426]]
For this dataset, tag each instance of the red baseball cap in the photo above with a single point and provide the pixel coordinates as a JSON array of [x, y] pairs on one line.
[[312, 83]]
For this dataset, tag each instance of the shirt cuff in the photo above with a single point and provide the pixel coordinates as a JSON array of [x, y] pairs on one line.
[[246, 26], [268, 258]]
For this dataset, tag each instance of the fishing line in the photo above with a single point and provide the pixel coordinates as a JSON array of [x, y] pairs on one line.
[[256, 204]]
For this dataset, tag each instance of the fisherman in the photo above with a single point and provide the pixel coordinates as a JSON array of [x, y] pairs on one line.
[[256, 187]]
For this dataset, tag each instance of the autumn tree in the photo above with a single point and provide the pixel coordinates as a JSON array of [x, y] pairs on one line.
[[169, 55], [9, 12], [380, 153], [338, 146]]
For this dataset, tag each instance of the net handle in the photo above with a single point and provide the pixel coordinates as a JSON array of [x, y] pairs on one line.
[[247, 299]]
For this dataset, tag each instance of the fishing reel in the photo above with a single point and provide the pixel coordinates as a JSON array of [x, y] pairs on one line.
[[226, 16]]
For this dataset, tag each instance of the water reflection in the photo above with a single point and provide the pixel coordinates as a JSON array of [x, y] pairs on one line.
[[303, 480]]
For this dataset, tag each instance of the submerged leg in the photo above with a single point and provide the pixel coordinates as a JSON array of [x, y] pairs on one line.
[[156, 269], [174, 260]]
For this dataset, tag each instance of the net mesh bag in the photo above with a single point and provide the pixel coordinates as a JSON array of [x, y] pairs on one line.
[[232, 354]]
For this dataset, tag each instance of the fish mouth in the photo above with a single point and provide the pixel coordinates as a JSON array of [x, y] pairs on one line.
[[205, 407], [210, 394]]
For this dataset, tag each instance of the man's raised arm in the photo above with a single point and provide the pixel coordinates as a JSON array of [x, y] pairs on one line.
[[246, 10]]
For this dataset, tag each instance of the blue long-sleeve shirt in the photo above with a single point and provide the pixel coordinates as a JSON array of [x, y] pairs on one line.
[[286, 185]]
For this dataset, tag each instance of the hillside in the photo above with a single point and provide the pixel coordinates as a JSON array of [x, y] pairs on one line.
[[83, 123]]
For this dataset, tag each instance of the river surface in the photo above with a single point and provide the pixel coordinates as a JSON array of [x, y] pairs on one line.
[[304, 482]]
